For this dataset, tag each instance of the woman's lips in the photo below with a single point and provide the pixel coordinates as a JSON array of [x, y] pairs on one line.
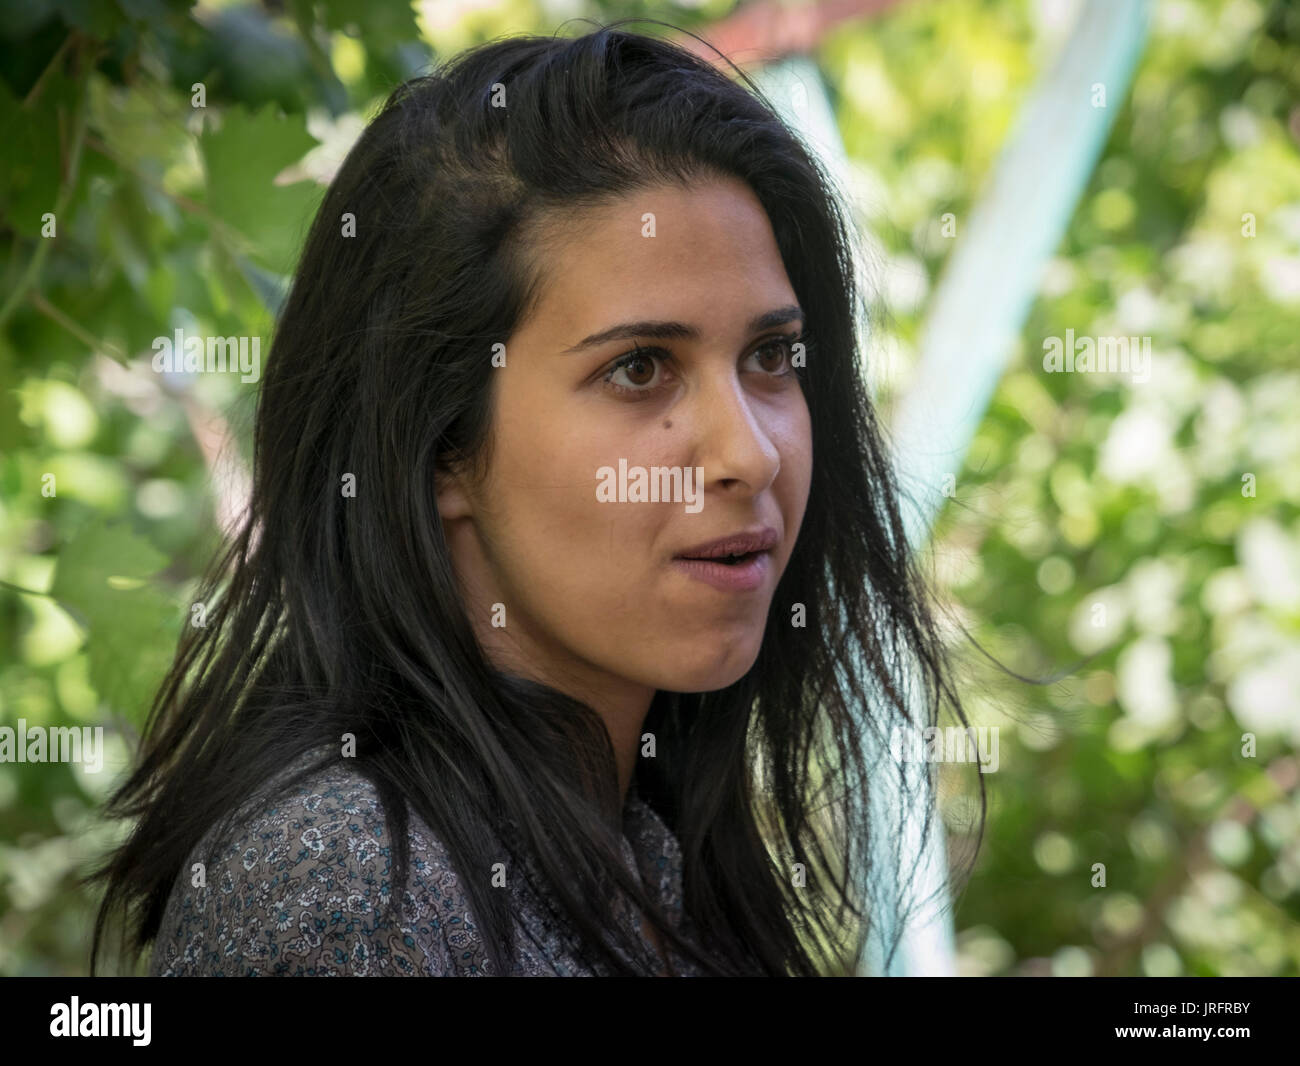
[[744, 576]]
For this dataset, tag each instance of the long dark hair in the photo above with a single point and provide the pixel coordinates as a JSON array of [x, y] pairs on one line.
[[330, 615]]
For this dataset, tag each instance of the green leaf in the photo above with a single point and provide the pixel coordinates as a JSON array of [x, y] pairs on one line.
[[11, 428], [131, 632], [242, 160], [33, 170], [129, 653], [99, 551], [92, 17], [381, 26]]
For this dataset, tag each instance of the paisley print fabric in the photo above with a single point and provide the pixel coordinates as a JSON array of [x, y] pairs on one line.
[[303, 886]]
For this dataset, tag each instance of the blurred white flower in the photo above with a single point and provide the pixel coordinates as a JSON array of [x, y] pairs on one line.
[[1280, 276], [1136, 446], [1266, 698], [1242, 641], [1239, 125], [1179, 17], [1271, 561], [1144, 685], [1226, 592], [1139, 448], [1218, 427], [1139, 311], [1204, 265], [1287, 222], [1272, 429], [1153, 586], [1099, 619]]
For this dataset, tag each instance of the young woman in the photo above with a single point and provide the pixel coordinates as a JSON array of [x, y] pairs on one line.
[[573, 574]]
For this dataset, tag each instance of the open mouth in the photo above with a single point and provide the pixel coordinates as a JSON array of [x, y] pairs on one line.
[[734, 560], [732, 572], [741, 562]]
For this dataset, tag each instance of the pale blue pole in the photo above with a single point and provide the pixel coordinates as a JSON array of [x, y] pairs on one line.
[[976, 313]]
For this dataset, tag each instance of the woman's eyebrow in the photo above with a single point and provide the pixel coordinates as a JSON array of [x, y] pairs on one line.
[[679, 330]]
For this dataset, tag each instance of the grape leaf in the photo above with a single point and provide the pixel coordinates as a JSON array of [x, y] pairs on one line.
[[132, 631], [242, 159]]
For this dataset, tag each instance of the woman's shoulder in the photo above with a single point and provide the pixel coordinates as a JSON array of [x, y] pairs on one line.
[[303, 883]]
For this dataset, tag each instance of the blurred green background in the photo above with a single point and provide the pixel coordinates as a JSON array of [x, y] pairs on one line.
[[1171, 504]]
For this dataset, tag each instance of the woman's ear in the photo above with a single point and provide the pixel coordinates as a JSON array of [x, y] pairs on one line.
[[450, 486]]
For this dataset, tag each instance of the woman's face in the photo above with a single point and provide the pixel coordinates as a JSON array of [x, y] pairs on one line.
[[583, 551]]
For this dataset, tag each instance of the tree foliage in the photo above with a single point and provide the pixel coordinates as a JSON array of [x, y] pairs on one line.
[[162, 163]]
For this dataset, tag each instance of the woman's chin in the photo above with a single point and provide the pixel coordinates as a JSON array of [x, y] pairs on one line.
[[693, 672]]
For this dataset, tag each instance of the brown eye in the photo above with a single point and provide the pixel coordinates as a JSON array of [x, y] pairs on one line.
[[635, 372], [640, 370], [774, 355]]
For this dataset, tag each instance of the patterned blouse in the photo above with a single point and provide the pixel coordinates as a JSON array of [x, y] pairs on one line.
[[298, 890]]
